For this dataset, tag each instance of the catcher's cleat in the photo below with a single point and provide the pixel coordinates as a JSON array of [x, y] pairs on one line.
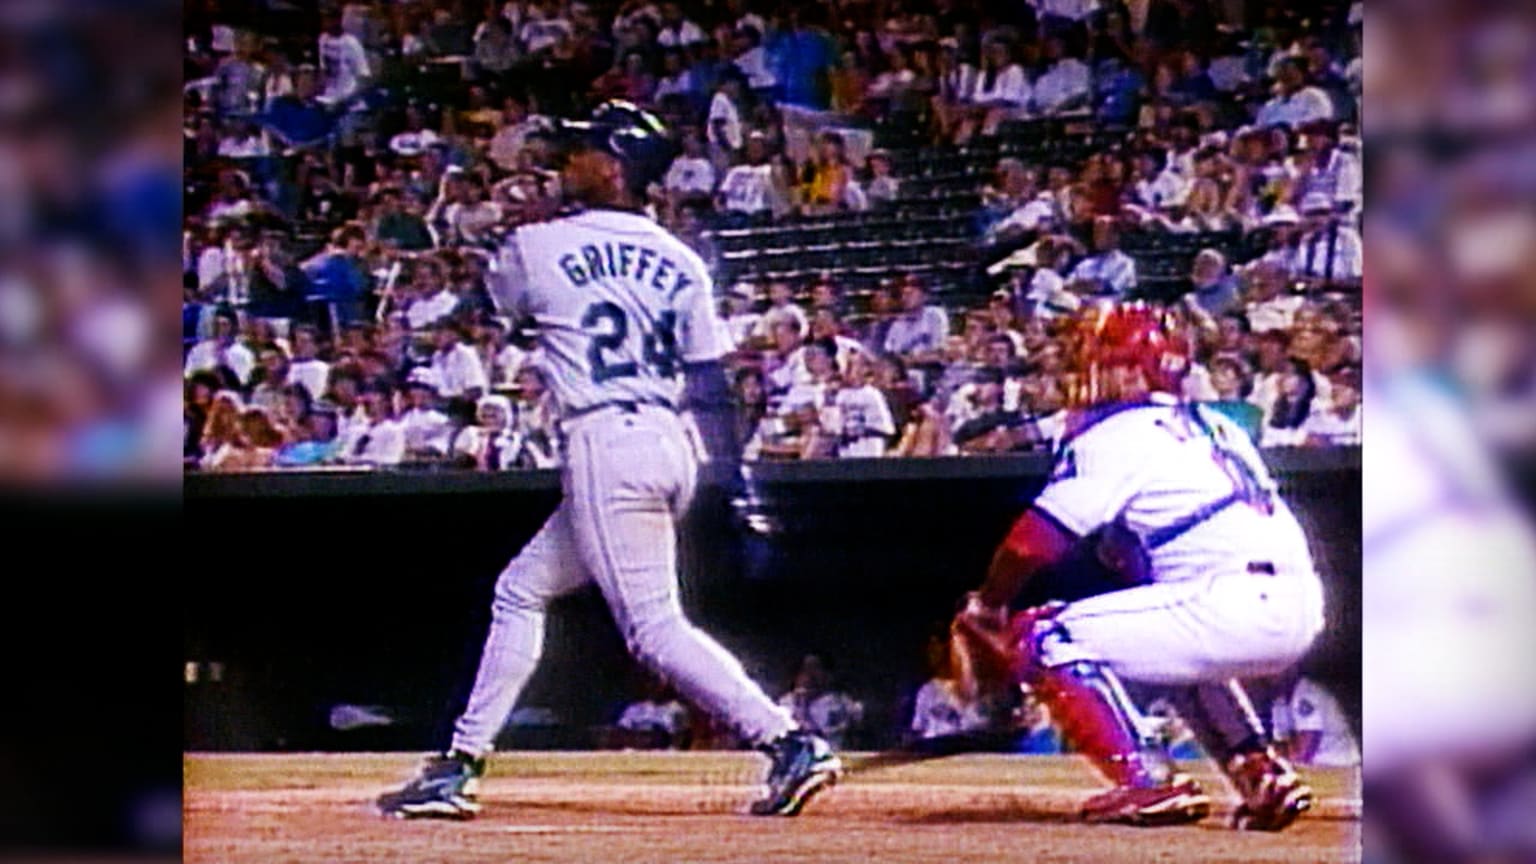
[[447, 787], [1179, 801], [803, 764], [1273, 793]]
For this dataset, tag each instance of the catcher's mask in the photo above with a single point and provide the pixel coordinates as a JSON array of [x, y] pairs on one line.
[[1121, 351]]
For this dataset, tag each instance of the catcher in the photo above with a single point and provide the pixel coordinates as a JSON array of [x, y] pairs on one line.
[[1220, 584]]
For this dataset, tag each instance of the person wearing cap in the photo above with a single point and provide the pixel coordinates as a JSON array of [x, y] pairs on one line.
[[378, 440], [1295, 102], [1282, 226], [1331, 170], [918, 333], [426, 428], [1108, 271], [1329, 251]]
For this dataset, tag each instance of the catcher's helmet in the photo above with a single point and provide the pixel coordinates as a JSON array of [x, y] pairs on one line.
[[637, 137], [1111, 339]]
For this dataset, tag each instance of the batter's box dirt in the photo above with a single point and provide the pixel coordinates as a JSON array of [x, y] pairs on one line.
[[674, 807]]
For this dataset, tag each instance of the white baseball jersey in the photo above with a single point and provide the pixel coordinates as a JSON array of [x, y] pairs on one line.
[[1192, 487], [620, 305]]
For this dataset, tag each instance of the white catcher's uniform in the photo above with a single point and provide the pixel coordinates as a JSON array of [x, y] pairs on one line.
[[619, 305], [1234, 593]]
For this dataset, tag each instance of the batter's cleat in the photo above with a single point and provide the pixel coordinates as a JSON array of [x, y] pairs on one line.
[[803, 764], [446, 787], [1179, 801], [1273, 793]]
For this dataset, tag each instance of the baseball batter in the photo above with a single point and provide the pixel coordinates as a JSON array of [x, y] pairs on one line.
[[624, 311], [1228, 589]]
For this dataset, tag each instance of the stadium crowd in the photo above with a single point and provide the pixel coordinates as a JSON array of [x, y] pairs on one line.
[[346, 174]]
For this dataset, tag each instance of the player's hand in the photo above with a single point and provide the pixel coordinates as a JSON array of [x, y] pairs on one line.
[[980, 652]]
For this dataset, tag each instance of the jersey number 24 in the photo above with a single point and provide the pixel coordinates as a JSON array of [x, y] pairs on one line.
[[658, 348]]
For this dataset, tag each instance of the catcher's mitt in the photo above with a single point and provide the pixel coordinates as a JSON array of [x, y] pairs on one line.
[[981, 650]]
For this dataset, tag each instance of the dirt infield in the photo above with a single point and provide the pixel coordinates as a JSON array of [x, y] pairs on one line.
[[606, 808]]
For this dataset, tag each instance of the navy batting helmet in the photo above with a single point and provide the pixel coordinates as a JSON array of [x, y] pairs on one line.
[[636, 136]]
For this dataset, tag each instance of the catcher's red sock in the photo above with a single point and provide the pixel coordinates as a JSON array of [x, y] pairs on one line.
[[1081, 701]]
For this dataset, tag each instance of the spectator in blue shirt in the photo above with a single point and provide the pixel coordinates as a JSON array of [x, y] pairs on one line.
[[337, 274], [803, 60]]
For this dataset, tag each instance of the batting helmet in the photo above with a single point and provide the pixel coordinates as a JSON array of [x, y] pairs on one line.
[[637, 137], [1119, 348]]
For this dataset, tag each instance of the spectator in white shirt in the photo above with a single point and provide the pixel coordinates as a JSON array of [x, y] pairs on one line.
[[1268, 305], [379, 439], [752, 59], [343, 63], [1329, 250], [941, 708], [658, 721], [223, 349], [1315, 731], [460, 375], [431, 300], [677, 79], [741, 322], [818, 708], [1002, 93], [1332, 171], [543, 29], [1064, 10], [1295, 102], [691, 173], [918, 333], [1108, 271], [1283, 226], [1339, 423], [782, 307], [426, 428], [723, 127], [306, 369], [1047, 294], [867, 426], [753, 188], [415, 139], [677, 31], [1066, 84]]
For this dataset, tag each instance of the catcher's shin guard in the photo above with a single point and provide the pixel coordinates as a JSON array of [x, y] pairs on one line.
[[1098, 719]]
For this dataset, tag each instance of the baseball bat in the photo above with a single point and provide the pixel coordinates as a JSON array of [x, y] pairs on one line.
[[928, 749]]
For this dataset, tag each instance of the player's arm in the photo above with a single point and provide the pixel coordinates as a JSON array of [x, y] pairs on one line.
[[507, 280], [1035, 542], [702, 347]]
